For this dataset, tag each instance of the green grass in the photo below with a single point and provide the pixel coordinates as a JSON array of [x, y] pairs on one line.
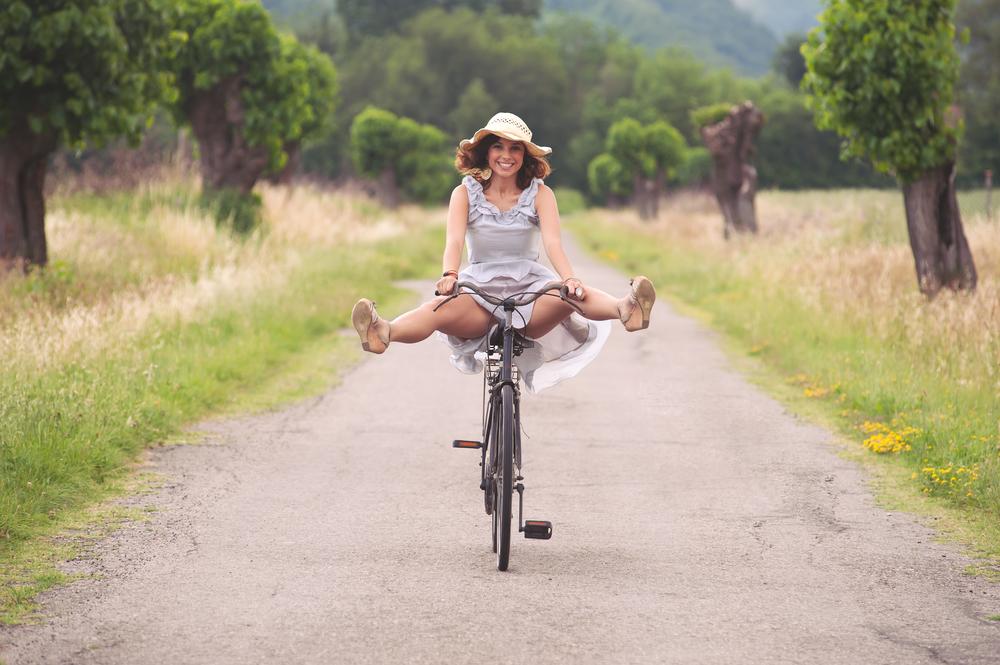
[[69, 433], [870, 369]]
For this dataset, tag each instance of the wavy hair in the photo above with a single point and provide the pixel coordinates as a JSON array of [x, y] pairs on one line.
[[474, 159]]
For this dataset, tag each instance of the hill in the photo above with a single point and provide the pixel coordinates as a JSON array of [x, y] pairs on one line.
[[783, 16], [716, 31]]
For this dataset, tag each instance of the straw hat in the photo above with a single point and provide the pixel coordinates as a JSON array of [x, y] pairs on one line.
[[510, 127]]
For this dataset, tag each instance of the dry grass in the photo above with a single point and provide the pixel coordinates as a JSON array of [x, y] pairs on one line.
[[159, 259], [827, 294]]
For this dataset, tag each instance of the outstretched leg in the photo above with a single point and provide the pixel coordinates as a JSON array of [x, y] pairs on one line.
[[598, 305], [461, 317]]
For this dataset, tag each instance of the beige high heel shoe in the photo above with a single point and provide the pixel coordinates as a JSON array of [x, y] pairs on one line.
[[373, 331], [635, 307]]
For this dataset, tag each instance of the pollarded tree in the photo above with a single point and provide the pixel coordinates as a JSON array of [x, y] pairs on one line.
[[882, 74], [668, 149], [729, 133], [401, 154], [648, 154], [71, 71], [247, 92]]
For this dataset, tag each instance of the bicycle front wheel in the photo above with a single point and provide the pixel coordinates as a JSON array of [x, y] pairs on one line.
[[503, 508]]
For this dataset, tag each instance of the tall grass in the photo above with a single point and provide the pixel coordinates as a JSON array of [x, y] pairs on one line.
[[827, 295], [151, 316]]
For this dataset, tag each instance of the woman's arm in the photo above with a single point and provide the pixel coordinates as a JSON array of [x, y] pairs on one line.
[[454, 243], [548, 220]]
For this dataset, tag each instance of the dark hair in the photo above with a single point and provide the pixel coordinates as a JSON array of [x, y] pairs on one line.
[[472, 159]]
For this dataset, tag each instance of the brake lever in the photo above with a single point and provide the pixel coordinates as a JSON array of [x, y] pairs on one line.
[[564, 296], [448, 300]]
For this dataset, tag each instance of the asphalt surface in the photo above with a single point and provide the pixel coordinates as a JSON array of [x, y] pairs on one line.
[[695, 521]]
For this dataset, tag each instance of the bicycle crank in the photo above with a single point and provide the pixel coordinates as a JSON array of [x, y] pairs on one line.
[[536, 529]]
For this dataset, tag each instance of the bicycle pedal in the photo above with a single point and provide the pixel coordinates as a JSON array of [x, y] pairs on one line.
[[470, 445], [538, 529]]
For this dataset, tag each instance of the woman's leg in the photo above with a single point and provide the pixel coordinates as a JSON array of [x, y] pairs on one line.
[[461, 317], [550, 311]]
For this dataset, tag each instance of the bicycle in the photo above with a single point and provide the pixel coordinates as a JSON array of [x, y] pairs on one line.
[[501, 440]]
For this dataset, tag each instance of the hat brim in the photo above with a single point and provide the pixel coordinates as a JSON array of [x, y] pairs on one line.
[[535, 150]]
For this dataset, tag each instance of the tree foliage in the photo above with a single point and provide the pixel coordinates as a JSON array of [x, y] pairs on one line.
[[788, 61], [84, 70], [646, 150], [286, 90], [709, 115], [637, 159], [979, 92], [882, 74], [378, 17], [71, 71], [608, 179], [407, 154]]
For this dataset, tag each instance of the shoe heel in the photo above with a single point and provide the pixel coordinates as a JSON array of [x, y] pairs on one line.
[[361, 318], [645, 296]]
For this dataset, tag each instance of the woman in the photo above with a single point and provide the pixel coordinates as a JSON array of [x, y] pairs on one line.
[[502, 209]]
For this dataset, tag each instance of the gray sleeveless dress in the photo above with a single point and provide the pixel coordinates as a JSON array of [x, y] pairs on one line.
[[503, 260]]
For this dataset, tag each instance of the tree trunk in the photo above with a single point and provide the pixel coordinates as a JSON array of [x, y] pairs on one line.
[[644, 196], [734, 179], [940, 250], [23, 164], [227, 160], [388, 189], [659, 187]]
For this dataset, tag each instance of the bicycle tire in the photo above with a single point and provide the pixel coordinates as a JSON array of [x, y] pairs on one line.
[[505, 482]]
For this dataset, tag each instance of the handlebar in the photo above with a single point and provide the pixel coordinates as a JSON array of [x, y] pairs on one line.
[[517, 299]]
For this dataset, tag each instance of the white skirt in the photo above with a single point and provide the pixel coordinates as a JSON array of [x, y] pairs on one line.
[[559, 354]]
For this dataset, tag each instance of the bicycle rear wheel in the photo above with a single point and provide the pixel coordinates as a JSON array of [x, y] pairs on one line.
[[503, 508]]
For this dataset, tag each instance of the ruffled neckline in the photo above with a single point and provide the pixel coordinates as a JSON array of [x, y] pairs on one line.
[[525, 200]]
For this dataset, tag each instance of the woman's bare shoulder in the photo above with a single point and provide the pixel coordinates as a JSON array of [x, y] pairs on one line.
[[459, 196], [545, 193]]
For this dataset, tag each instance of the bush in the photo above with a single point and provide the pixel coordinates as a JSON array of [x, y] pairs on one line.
[[233, 209], [570, 200]]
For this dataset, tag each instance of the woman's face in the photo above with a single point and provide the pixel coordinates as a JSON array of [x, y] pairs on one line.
[[506, 157]]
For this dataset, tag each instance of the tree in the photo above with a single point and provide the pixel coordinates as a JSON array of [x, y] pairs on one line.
[[247, 92], [979, 90], [788, 61], [401, 154], [647, 154], [882, 74], [475, 105], [729, 133], [71, 72]]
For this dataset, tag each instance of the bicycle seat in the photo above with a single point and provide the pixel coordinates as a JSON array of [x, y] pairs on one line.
[[495, 344]]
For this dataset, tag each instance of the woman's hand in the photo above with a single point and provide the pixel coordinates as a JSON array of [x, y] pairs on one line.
[[576, 290], [446, 285]]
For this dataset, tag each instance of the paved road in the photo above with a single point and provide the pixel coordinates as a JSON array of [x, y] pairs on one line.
[[695, 522]]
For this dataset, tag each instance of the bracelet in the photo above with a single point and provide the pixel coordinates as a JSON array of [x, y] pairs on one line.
[[569, 278], [450, 272]]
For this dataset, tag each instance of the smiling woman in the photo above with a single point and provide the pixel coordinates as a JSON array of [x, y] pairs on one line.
[[504, 211]]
